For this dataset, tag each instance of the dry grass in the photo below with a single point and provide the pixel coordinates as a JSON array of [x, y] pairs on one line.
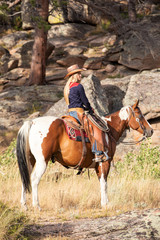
[[73, 197]]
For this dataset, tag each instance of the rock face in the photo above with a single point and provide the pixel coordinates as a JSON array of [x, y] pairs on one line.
[[70, 30], [27, 11], [144, 86], [19, 103], [138, 47], [108, 86]]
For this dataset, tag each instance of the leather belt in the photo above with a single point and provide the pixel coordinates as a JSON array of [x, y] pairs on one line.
[[80, 110]]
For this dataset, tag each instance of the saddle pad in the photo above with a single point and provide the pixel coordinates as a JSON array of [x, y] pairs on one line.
[[75, 134]]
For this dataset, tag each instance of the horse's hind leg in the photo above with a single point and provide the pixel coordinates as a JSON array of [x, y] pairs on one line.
[[23, 198], [23, 193], [35, 179]]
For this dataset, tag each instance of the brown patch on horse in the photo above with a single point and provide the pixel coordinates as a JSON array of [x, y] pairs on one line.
[[50, 143], [103, 168], [141, 125]]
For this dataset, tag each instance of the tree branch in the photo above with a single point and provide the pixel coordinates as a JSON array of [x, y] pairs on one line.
[[13, 3]]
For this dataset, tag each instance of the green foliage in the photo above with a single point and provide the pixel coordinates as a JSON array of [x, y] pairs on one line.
[[9, 155], [115, 76], [59, 94], [3, 6], [105, 25], [35, 107], [56, 3], [145, 163], [4, 19], [12, 223], [41, 23], [140, 15], [33, 3], [18, 23], [124, 15]]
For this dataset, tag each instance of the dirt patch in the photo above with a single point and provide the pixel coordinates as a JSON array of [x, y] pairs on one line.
[[140, 225]]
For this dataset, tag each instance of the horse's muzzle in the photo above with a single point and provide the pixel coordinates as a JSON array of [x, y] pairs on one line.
[[148, 132]]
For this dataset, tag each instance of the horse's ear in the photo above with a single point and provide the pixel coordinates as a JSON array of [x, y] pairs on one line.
[[136, 103]]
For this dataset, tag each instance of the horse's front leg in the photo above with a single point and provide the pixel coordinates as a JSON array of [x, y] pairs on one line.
[[102, 170]]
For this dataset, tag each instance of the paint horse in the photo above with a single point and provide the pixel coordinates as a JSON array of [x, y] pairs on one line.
[[41, 138]]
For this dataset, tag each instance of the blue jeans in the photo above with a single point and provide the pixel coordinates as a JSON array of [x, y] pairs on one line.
[[94, 149], [74, 114]]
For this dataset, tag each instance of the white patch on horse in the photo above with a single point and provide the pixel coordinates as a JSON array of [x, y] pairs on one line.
[[38, 132], [124, 113], [40, 129], [103, 185]]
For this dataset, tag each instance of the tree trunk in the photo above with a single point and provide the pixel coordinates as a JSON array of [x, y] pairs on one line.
[[38, 65], [132, 10]]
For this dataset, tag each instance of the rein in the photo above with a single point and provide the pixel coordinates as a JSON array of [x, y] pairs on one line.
[[133, 143]]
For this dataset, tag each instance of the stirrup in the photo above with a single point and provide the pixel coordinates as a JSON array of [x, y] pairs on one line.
[[100, 158]]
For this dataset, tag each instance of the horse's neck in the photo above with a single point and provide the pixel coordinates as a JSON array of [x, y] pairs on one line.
[[116, 125]]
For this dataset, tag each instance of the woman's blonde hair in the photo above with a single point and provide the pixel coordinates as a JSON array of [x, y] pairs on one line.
[[72, 79]]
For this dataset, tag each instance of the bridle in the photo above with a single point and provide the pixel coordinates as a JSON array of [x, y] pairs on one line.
[[140, 125], [137, 119]]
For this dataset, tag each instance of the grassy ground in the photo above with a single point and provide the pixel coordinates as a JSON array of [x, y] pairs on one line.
[[132, 184]]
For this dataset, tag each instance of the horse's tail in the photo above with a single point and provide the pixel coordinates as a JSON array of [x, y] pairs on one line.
[[22, 151]]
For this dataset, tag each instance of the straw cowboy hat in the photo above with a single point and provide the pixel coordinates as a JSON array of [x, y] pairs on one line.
[[74, 69]]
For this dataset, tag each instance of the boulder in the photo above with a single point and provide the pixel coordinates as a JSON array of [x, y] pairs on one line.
[[27, 10], [11, 40], [4, 51], [18, 103], [145, 87], [110, 68], [81, 12], [115, 90], [72, 30], [138, 46], [26, 52], [93, 63], [72, 59]]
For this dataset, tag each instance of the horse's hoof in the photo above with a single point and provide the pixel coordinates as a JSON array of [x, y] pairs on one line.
[[37, 207], [24, 207]]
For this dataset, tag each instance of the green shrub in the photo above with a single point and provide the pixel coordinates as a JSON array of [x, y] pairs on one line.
[[9, 155], [143, 164], [12, 223]]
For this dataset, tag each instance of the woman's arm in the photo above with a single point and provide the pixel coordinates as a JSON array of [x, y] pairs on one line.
[[84, 98]]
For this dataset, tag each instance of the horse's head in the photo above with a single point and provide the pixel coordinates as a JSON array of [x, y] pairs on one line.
[[138, 122]]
